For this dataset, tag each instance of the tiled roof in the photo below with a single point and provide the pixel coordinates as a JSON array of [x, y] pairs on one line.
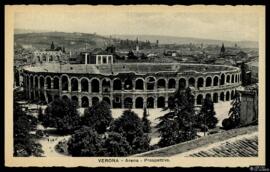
[[242, 147], [236, 142]]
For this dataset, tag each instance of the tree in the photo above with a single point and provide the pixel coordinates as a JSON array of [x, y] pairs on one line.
[[206, 118], [116, 145], [146, 122], [235, 110], [178, 125], [63, 115], [234, 113], [24, 142], [131, 127], [98, 117], [85, 142]]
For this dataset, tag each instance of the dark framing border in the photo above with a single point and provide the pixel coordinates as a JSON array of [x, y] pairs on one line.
[[132, 2]]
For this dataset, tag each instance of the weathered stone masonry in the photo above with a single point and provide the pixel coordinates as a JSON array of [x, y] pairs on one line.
[[130, 89]]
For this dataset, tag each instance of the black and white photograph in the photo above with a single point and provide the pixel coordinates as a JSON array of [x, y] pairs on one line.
[[132, 85]]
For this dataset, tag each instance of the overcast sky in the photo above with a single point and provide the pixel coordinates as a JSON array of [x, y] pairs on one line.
[[232, 26]]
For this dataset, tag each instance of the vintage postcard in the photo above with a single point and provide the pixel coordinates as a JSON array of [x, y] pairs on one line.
[[134, 85]]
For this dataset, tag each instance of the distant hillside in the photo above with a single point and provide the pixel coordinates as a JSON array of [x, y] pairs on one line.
[[186, 40], [73, 41]]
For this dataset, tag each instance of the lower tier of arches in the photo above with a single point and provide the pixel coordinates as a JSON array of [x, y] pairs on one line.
[[126, 100]]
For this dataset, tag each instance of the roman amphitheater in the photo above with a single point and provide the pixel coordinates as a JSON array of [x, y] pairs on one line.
[[129, 85]]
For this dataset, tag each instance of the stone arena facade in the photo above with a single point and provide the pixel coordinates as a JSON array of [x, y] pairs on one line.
[[129, 85]]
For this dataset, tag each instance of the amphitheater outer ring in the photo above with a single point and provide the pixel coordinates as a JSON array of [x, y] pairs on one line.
[[124, 88]]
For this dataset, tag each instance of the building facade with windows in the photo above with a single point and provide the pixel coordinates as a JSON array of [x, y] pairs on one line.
[[129, 85]]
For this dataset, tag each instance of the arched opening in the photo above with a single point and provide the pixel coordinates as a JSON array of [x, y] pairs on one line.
[[74, 84], [191, 82], [161, 83], [41, 82], [228, 79], [107, 100], [139, 102], [42, 97], [117, 84], [74, 100], [65, 98], [85, 102], [95, 101], [106, 85], [215, 97], [55, 83], [48, 82], [199, 99], [55, 97], [95, 86], [208, 96], [235, 79], [215, 81], [128, 84], [227, 96], [182, 84], [64, 83], [49, 96], [222, 79], [84, 85], [221, 96], [150, 102], [128, 103], [171, 102], [200, 82], [232, 79], [36, 82], [139, 84], [31, 82], [51, 58], [117, 102], [151, 83], [161, 102], [208, 81], [232, 94], [32, 95], [171, 83]]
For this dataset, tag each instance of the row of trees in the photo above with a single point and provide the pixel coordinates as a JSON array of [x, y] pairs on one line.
[[96, 133]]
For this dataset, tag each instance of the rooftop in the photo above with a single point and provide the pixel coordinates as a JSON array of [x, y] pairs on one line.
[[232, 143], [139, 68]]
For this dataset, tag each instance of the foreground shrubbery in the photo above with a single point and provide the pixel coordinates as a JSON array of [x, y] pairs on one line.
[[98, 117], [123, 137], [62, 115], [24, 142]]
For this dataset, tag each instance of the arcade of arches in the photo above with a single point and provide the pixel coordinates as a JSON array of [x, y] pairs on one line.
[[151, 91]]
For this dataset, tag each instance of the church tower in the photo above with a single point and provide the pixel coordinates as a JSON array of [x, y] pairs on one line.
[[52, 46], [222, 50]]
